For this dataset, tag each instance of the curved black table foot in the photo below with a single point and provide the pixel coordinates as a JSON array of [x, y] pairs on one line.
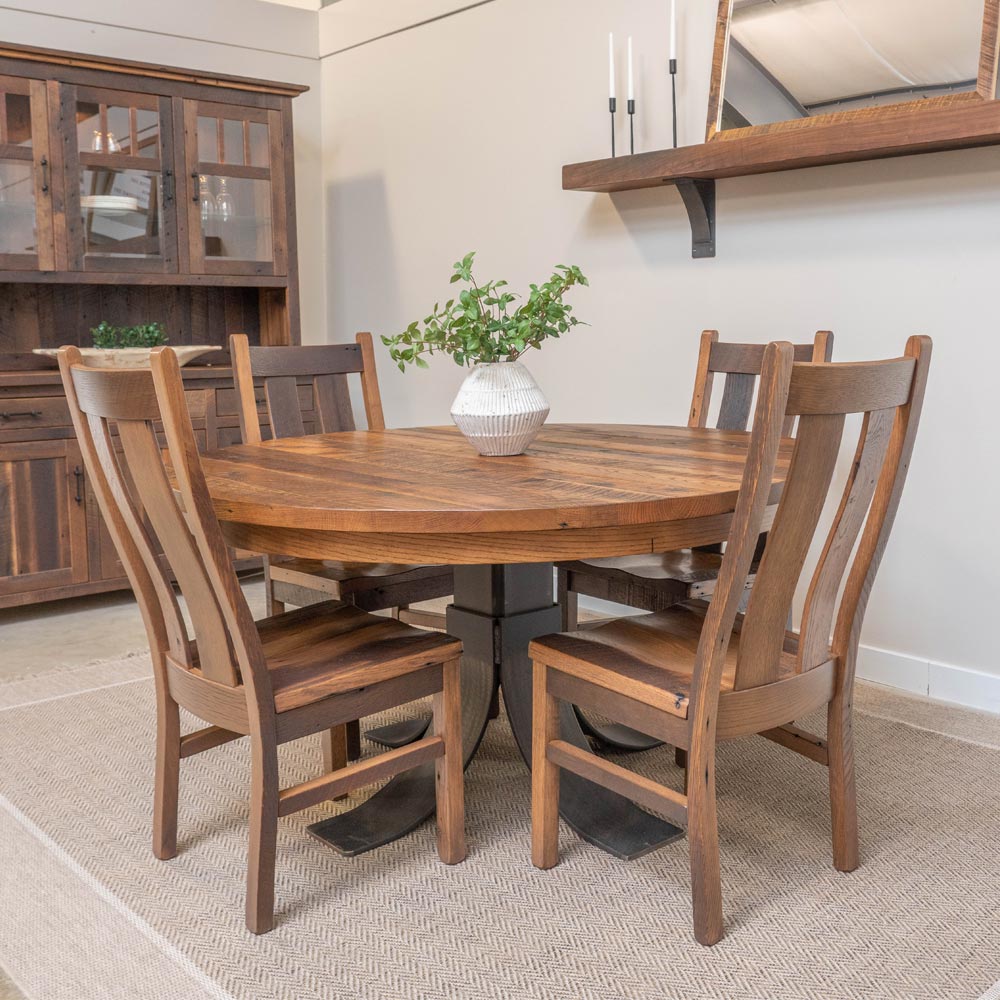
[[399, 734], [400, 806], [614, 735]]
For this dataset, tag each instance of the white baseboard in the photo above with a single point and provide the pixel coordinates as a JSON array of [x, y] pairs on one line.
[[940, 681], [895, 670]]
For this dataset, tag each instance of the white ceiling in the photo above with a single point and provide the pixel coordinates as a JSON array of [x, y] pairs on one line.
[[823, 50]]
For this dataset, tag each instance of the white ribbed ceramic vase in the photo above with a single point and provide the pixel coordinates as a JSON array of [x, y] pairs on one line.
[[500, 408]]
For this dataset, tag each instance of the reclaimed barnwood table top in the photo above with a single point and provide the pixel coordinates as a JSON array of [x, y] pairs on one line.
[[424, 493]]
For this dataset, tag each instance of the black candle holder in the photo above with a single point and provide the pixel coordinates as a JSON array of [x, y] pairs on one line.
[[631, 127], [673, 94], [613, 107]]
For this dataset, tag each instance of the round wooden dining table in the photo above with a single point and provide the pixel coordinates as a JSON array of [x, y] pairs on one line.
[[423, 495]]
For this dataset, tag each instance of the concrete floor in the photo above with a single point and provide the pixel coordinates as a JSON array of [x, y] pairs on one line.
[[72, 633]]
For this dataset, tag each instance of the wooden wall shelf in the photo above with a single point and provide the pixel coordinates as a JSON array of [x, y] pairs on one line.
[[913, 129]]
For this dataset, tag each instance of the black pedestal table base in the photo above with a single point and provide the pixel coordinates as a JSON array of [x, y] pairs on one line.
[[498, 610]]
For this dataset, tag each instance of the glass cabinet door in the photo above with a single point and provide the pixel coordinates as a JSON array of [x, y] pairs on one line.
[[235, 183], [120, 182], [26, 241]]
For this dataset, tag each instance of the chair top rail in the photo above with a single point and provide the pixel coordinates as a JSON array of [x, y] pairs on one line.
[[850, 387], [116, 393], [747, 359], [306, 362]]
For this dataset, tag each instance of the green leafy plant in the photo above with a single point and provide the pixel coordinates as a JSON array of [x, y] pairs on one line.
[[484, 325], [111, 337]]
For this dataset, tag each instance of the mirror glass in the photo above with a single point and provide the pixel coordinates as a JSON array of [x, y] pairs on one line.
[[791, 59]]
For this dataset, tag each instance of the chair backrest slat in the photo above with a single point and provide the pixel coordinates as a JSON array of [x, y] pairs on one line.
[[200, 519], [142, 455], [737, 398], [283, 409], [814, 460], [281, 369], [332, 398], [882, 513], [817, 624]]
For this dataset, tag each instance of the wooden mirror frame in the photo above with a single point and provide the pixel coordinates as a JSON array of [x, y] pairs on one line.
[[986, 88]]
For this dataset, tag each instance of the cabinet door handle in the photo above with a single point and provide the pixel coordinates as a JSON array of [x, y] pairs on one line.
[[78, 472], [196, 188], [45, 174], [13, 415]]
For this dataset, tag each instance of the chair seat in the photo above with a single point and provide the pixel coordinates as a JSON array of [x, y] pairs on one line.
[[346, 579], [330, 648], [688, 566], [647, 657]]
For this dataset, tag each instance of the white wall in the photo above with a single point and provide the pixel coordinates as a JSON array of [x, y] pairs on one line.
[[344, 24], [242, 37], [451, 136]]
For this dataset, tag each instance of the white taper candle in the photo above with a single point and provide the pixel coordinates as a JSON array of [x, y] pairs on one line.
[[631, 78], [673, 29], [611, 64]]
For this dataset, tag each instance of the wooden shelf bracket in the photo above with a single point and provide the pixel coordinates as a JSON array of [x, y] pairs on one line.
[[699, 200]]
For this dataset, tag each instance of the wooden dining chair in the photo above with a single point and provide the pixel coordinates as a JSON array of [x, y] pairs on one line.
[[660, 580], [699, 673], [281, 679], [289, 580]]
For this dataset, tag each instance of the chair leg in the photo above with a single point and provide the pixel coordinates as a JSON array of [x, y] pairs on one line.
[[544, 774], [703, 837], [843, 792], [353, 740], [263, 836], [273, 607], [681, 760], [449, 769], [168, 766], [334, 743], [568, 601]]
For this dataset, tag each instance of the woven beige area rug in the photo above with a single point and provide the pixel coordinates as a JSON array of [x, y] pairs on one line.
[[87, 912]]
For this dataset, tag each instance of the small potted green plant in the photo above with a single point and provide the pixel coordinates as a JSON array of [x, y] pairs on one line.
[[123, 338], [499, 408], [129, 346]]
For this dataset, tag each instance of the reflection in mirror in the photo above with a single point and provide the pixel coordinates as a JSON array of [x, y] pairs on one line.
[[792, 59]]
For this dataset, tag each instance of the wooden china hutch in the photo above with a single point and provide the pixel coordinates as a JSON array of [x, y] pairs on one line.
[[129, 193]]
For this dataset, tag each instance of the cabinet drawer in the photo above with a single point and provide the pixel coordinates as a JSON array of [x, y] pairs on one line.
[[26, 418], [18, 413]]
